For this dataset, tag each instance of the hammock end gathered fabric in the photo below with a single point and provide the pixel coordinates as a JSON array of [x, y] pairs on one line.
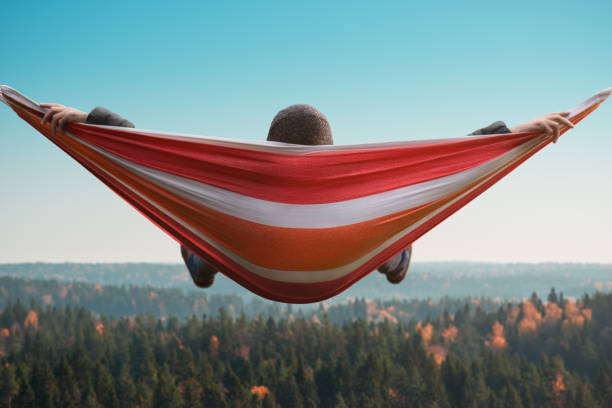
[[591, 102], [605, 93], [268, 215], [10, 96], [2, 89]]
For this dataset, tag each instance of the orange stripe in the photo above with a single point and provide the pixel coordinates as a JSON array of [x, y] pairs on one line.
[[276, 247], [269, 246], [287, 248], [584, 113]]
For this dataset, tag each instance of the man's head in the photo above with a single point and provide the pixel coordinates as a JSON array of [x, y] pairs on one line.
[[300, 124]]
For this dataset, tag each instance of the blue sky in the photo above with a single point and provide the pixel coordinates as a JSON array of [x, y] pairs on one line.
[[380, 71]]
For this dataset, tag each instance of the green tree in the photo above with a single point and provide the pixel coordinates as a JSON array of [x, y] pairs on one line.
[[166, 394], [90, 399], [126, 389], [340, 401], [288, 394], [192, 393], [9, 387], [104, 385], [44, 385], [510, 398], [70, 395], [552, 296]]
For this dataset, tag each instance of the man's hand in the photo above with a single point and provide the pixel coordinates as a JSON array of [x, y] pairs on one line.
[[61, 115], [549, 124]]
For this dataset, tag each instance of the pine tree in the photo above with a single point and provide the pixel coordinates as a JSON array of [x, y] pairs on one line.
[[340, 401], [326, 384], [9, 387], [479, 393], [104, 386], [268, 402], [510, 397], [585, 398], [90, 399], [166, 394], [126, 389], [44, 385], [26, 396], [552, 296], [192, 393], [236, 393], [145, 395], [415, 386], [288, 394], [309, 393], [70, 396], [211, 396]]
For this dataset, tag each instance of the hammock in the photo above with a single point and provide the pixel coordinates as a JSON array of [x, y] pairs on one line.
[[292, 223]]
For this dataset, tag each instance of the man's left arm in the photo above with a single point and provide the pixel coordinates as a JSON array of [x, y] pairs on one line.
[[550, 124], [495, 128]]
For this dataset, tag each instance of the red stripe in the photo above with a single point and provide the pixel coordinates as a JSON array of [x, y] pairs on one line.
[[320, 177]]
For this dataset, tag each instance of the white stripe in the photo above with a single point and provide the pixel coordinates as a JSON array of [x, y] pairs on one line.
[[329, 215]]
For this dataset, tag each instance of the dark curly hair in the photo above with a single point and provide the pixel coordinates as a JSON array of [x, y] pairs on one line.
[[300, 124]]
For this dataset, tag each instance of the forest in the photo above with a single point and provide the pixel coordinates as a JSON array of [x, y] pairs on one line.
[[551, 352], [121, 301]]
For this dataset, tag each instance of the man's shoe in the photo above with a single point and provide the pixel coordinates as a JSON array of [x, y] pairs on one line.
[[395, 268], [202, 274]]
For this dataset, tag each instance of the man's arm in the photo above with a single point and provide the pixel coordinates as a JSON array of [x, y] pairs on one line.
[[60, 116], [201, 272], [102, 116], [550, 124], [495, 128]]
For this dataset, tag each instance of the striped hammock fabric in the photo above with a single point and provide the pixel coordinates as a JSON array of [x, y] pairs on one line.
[[292, 223]]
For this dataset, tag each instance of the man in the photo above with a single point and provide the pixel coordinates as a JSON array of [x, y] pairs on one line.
[[297, 124]]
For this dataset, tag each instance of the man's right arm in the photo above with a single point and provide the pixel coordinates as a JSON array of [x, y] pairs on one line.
[[102, 116], [61, 116]]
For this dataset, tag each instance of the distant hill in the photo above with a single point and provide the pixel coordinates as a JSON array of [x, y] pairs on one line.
[[424, 280]]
